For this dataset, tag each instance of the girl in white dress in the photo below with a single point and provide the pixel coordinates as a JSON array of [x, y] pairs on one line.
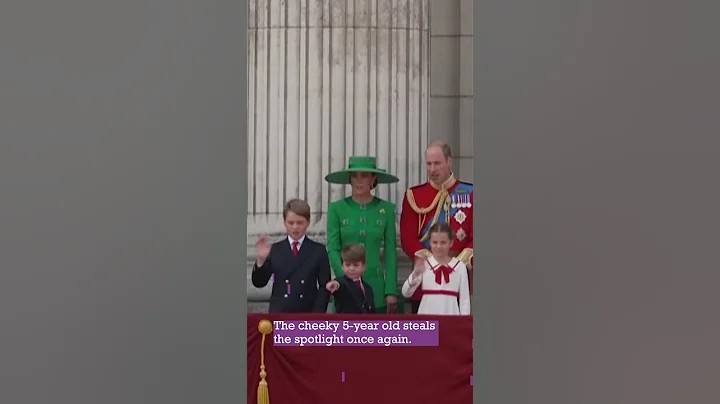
[[444, 279]]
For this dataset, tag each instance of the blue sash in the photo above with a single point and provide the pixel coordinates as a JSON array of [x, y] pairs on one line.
[[461, 193]]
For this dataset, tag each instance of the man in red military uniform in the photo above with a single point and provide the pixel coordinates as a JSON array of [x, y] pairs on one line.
[[442, 199]]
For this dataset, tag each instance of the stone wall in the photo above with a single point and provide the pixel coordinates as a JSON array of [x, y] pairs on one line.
[[332, 78], [451, 79], [328, 80]]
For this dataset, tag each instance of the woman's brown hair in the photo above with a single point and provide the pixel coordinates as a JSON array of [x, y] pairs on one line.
[[442, 227]]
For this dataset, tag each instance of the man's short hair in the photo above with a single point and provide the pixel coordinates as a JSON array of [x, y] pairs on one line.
[[444, 147], [353, 253], [298, 207]]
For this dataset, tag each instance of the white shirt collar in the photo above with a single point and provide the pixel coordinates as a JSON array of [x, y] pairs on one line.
[[434, 264], [300, 242]]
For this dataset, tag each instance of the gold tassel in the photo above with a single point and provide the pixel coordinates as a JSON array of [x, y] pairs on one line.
[[265, 328]]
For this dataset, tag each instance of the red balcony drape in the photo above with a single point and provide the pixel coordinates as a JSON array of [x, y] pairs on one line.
[[382, 375]]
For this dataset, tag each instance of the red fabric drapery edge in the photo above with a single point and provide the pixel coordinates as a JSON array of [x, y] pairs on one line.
[[401, 375]]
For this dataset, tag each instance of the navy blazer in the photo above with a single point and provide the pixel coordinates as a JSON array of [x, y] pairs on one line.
[[349, 298], [296, 279]]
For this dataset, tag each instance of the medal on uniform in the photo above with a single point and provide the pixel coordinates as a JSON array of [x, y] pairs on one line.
[[460, 234], [460, 216], [453, 203], [469, 202]]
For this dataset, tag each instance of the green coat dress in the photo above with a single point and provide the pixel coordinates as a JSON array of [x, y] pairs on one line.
[[372, 226]]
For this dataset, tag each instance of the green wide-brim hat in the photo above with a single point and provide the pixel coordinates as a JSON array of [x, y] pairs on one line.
[[361, 164]]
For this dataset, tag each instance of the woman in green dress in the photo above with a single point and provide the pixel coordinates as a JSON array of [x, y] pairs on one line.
[[369, 221]]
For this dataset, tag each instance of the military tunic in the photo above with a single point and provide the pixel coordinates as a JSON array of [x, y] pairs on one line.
[[372, 226], [424, 205]]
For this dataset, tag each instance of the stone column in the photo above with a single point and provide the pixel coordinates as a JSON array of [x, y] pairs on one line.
[[328, 79], [451, 90], [464, 155]]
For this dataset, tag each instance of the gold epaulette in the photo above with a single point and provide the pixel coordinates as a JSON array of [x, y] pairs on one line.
[[466, 256]]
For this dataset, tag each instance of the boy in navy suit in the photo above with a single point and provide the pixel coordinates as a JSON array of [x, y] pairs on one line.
[[298, 264], [351, 293]]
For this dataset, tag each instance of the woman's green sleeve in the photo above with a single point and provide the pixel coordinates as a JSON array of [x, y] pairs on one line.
[[334, 243], [390, 252]]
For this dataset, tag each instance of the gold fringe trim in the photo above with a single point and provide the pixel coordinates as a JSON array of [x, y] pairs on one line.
[[263, 395]]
